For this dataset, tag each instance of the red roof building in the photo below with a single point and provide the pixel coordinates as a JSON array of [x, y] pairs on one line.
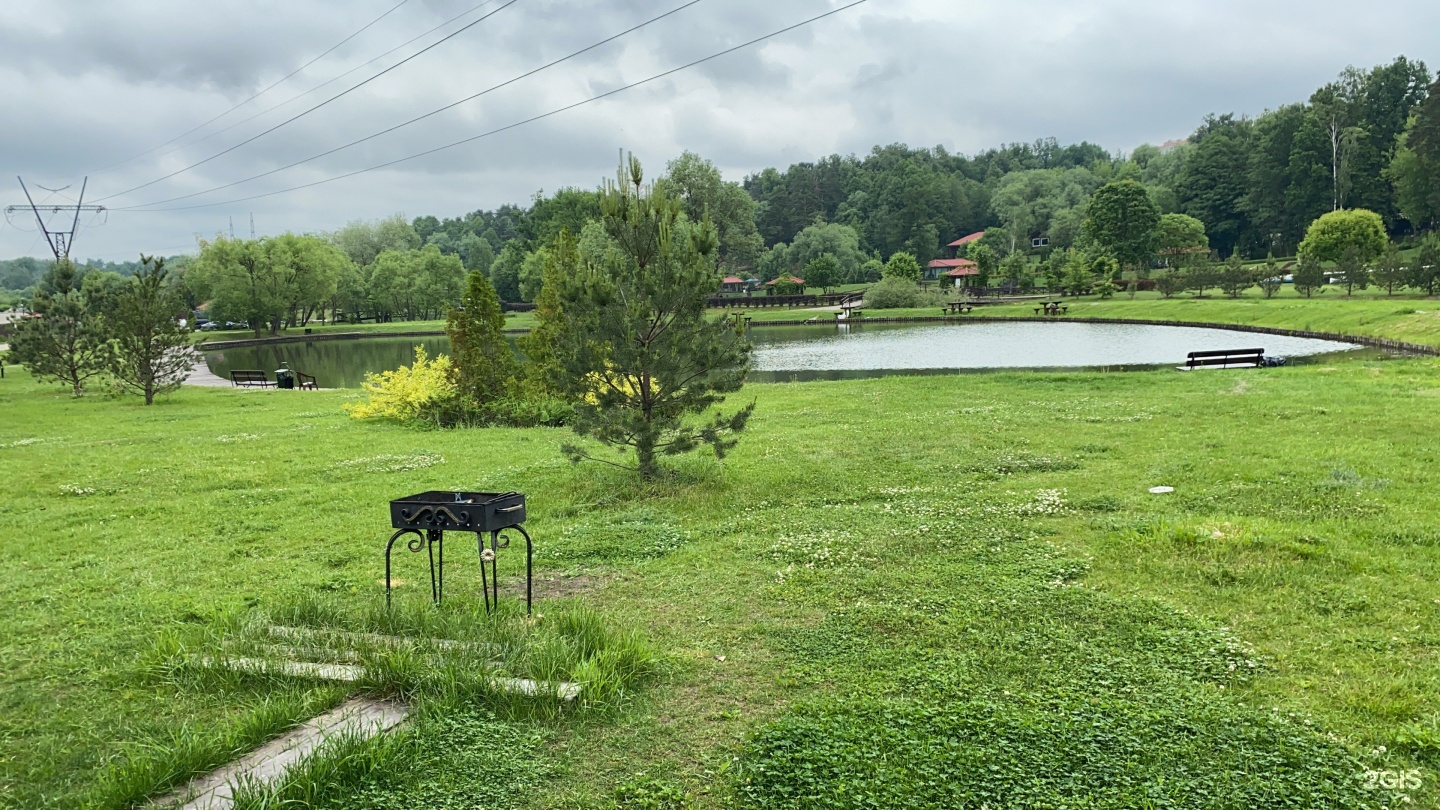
[[792, 279], [957, 268], [965, 240]]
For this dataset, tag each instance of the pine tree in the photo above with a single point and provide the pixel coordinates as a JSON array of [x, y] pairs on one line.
[[150, 352], [541, 361], [63, 341], [638, 354], [484, 365]]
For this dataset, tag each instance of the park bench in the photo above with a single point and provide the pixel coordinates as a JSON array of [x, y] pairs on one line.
[[957, 308], [305, 382], [1246, 358], [250, 379], [1052, 308]]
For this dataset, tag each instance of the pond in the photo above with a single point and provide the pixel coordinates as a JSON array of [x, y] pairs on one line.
[[847, 352]]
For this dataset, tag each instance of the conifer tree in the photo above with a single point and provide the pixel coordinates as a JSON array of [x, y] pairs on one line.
[[638, 354], [484, 365], [541, 360], [63, 341], [150, 352]]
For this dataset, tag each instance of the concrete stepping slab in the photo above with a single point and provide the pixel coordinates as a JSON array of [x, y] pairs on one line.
[[350, 673], [270, 762]]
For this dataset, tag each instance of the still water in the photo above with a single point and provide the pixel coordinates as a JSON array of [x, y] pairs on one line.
[[840, 352]]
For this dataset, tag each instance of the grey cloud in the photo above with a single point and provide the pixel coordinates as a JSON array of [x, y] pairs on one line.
[[966, 75]]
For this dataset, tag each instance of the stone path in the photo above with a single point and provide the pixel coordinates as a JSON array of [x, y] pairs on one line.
[[267, 764]]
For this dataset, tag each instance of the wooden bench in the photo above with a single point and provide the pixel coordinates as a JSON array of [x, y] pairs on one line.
[[305, 382], [1245, 358], [957, 308], [250, 379]]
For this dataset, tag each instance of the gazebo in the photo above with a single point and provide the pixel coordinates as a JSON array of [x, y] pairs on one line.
[[788, 279], [732, 284]]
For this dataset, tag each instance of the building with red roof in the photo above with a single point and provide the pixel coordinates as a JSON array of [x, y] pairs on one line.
[[961, 270]]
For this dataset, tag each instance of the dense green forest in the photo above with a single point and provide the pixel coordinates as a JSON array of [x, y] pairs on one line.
[[1368, 140]]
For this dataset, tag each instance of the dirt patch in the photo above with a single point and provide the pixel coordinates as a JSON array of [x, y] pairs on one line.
[[560, 586]]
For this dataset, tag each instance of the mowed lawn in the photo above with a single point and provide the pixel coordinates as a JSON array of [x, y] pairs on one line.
[[884, 571]]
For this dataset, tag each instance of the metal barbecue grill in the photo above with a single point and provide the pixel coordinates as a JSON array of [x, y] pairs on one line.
[[427, 516]]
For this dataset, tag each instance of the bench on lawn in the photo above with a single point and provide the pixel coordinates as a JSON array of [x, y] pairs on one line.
[[305, 382], [957, 308], [250, 379], [1249, 358]]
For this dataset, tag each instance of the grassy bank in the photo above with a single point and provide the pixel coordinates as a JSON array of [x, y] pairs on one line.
[[893, 589], [1370, 313], [1410, 319]]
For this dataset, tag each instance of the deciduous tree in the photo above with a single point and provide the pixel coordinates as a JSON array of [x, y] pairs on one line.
[[1328, 237], [823, 271], [1123, 220], [1178, 235], [903, 266]]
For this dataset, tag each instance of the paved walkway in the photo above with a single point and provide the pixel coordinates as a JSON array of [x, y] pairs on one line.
[[200, 374]]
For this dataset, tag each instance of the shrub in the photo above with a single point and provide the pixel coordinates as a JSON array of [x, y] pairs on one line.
[[893, 293], [408, 392]]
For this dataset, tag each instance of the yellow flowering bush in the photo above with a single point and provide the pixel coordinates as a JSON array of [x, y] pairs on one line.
[[407, 392]]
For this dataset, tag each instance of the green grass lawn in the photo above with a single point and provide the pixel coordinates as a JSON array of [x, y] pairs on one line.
[[903, 592]]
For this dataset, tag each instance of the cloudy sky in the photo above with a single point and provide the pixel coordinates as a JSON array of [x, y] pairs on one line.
[[95, 87]]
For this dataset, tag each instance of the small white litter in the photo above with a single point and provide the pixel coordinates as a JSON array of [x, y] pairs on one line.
[[1161, 490]]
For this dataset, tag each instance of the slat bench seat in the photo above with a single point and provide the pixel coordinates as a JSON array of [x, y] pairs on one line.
[[1227, 358], [250, 379]]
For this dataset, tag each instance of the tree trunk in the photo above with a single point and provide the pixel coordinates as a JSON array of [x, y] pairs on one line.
[[645, 455]]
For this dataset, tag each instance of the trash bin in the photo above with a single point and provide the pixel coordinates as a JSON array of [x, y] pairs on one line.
[[284, 379]]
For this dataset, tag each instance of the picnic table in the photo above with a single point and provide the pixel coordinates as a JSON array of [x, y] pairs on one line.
[[957, 308], [1052, 308]]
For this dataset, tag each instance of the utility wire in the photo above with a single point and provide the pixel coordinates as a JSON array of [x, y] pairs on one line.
[[531, 120], [417, 119], [287, 78], [327, 82], [298, 116]]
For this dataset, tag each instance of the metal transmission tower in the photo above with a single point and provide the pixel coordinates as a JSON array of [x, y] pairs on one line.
[[60, 240]]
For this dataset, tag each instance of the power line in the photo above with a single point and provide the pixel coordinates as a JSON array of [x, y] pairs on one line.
[[531, 120], [298, 116], [287, 78], [325, 83], [435, 112]]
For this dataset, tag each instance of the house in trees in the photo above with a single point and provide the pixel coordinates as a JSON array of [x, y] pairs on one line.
[[956, 268], [732, 285], [960, 270]]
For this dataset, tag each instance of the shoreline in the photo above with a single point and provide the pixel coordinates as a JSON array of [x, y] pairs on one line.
[[1339, 337]]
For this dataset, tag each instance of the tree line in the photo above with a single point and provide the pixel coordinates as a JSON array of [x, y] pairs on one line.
[[1369, 140]]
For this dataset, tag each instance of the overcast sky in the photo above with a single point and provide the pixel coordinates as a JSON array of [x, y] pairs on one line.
[[89, 84]]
